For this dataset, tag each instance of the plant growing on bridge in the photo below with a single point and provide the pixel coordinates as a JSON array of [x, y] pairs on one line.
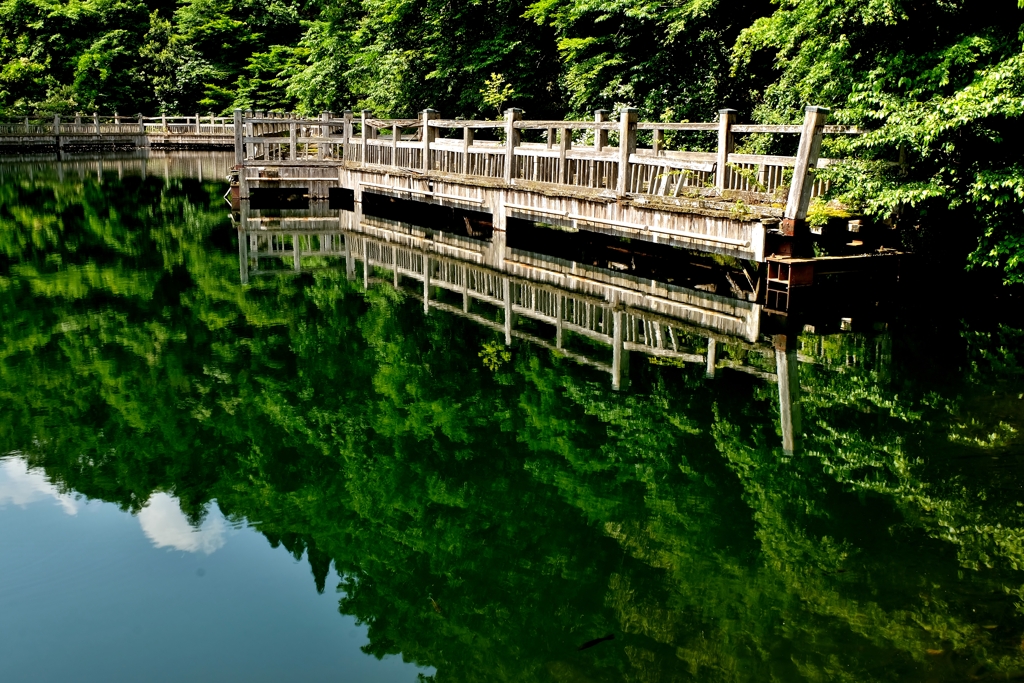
[[496, 92]]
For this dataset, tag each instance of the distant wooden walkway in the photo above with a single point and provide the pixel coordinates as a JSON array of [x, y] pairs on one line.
[[586, 175], [115, 132]]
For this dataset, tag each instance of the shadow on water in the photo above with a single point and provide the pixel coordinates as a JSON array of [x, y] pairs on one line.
[[505, 450]]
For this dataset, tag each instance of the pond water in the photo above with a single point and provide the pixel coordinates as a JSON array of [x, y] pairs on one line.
[[232, 450]]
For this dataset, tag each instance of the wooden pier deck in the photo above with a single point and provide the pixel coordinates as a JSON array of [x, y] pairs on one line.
[[582, 175]]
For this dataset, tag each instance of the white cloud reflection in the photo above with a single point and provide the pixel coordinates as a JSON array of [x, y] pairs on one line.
[[162, 520], [166, 526], [20, 486]]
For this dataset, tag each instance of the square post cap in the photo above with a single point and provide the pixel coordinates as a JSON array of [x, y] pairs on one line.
[[726, 111], [811, 109]]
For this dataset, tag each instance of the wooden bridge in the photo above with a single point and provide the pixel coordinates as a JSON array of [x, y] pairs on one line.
[[615, 177], [571, 308], [57, 133]]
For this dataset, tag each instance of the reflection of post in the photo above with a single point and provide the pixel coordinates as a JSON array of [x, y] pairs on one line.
[[789, 392], [712, 357], [366, 263], [350, 259], [426, 283], [296, 256], [465, 289], [243, 256], [508, 311], [620, 357], [243, 244], [558, 321]]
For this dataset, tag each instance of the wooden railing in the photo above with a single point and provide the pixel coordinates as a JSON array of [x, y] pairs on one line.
[[574, 153], [95, 124], [189, 125]]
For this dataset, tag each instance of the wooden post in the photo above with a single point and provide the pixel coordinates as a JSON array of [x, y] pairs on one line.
[[239, 138], [364, 135], [512, 135], [726, 117], [293, 140], [96, 121], [56, 131], [659, 141], [296, 255], [26, 125], [321, 146], [163, 121], [198, 124], [806, 161], [429, 135], [346, 140], [627, 146], [600, 136], [396, 135], [467, 142], [564, 143]]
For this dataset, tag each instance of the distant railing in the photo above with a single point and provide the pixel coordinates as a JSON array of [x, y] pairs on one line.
[[555, 153], [95, 124]]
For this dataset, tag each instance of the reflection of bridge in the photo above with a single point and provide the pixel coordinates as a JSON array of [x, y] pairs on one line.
[[579, 311], [139, 162]]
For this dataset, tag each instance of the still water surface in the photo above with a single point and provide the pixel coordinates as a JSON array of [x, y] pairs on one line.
[[304, 478]]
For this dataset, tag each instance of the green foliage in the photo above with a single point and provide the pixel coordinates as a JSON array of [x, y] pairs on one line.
[[496, 92]]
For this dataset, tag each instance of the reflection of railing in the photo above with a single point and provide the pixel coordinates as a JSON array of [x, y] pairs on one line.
[[574, 153], [627, 314], [650, 318]]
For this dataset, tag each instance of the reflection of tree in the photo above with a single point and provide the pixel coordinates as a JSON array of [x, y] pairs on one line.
[[487, 521]]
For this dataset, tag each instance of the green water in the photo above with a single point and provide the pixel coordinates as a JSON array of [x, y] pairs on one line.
[[481, 511]]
